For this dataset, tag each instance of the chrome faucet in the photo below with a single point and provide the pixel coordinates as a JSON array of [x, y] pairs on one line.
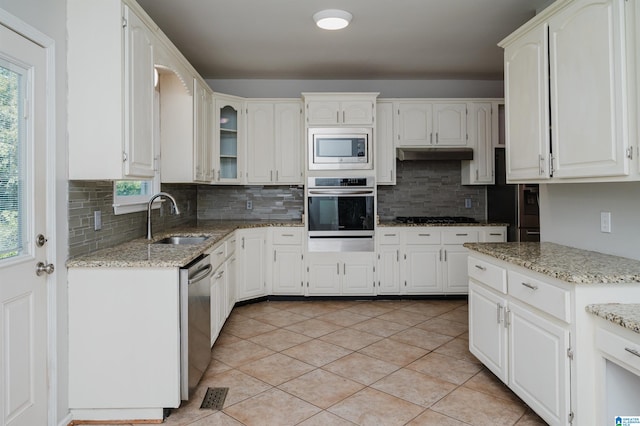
[[153, 197]]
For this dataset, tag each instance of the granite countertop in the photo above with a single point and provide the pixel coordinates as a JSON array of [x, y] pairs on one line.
[[626, 315], [392, 223], [140, 253], [565, 263]]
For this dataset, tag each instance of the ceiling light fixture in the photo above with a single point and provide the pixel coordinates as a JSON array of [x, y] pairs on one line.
[[332, 19]]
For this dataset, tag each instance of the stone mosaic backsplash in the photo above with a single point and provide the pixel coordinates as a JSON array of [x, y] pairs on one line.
[[424, 188], [85, 197], [430, 188], [268, 202]]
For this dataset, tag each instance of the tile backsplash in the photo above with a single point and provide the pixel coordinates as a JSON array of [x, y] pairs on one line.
[[430, 188], [268, 202], [425, 188], [86, 197]]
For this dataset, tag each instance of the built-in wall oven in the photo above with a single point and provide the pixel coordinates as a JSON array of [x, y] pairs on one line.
[[341, 213]]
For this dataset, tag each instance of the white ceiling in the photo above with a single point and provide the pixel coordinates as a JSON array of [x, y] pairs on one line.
[[387, 39]]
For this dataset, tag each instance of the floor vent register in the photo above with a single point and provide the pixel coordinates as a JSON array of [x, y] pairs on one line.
[[214, 398]]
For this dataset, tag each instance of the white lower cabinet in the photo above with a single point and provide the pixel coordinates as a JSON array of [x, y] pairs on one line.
[[421, 269], [539, 367], [287, 261], [532, 331], [124, 328], [251, 260], [218, 302], [338, 274]]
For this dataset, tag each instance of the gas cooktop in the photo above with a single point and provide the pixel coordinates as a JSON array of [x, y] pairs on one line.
[[435, 219]]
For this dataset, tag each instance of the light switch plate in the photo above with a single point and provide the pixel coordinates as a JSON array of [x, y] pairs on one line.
[[467, 203], [605, 222], [97, 220], [249, 204]]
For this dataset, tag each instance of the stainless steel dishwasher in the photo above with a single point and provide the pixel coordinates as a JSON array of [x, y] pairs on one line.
[[195, 323]]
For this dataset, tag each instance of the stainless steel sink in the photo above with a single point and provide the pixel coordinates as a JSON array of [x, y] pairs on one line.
[[181, 239]]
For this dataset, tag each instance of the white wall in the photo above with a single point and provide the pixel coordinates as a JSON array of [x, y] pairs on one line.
[[49, 17], [570, 215], [387, 88]]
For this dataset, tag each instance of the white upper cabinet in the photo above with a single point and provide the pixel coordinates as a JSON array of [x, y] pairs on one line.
[[588, 112], [431, 124], [228, 149], [482, 133], [526, 82], [385, 157], [203, 132], [330, 109], [139, 89], [274, 142], [110, 47], [566, 95]]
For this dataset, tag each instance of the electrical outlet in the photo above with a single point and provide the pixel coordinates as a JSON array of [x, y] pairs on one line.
[[467, 203], [97, 220], [605, 222], [249, 204]]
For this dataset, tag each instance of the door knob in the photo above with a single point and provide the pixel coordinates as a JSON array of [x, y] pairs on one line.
[[41, 268]]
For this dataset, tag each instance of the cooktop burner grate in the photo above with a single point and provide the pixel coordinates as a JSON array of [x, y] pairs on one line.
[[435, 219]]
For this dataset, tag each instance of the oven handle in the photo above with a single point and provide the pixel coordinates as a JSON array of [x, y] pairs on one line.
[[341, 192]]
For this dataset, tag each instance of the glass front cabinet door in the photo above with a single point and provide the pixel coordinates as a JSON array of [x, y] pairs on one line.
[[229, 140]]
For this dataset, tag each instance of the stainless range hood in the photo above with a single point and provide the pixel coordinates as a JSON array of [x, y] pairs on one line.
[[409, 154]]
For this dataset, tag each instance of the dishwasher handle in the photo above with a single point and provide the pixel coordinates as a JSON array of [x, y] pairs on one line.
[[201, 274]]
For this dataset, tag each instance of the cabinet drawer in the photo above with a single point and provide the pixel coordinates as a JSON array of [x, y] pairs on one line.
[[539, 294], [423, 237], [618, 347], [459, 237], [494, 236], [218, 254], [388, 237], [488, 274], [230, 245], [287, 236]]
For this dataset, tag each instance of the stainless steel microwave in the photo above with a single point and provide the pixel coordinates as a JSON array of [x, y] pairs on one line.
[[338, 148]]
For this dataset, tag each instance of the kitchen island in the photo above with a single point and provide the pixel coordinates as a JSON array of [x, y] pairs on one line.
[[529, 325]]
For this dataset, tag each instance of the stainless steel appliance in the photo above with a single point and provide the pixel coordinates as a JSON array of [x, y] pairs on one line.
[[195, 323], [341, 213], [528, 212], [340, 148]]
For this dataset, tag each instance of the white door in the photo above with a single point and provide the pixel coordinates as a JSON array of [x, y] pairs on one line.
[[23, 294]]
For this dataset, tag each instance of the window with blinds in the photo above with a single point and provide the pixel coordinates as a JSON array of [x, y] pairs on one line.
[[12, 169]]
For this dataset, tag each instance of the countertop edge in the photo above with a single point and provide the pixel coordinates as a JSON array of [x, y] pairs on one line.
[[626, 315]]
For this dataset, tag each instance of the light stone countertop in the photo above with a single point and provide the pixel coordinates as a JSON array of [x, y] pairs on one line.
[[140, 253], [565, 263], [625, 315]]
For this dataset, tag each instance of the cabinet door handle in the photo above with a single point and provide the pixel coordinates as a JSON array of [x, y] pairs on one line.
[[271, 176], [633, 351], [531, 286], [243, 243], [499, 312], [390, 235], [337, 116], [343, 117], [274, 255], [482, 268], [397, 255], [218, 175], [507, 322], [461, 235], [276, 175], [220, 274], [445, 254], [430, 138], [437, 138], [424, 235], [440, 255], [344, 269], [495, 234], [287, 235]]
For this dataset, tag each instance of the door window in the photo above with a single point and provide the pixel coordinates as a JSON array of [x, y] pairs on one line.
[[12, 160]]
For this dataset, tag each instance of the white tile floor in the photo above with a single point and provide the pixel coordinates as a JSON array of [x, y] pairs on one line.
[[351, 362]]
